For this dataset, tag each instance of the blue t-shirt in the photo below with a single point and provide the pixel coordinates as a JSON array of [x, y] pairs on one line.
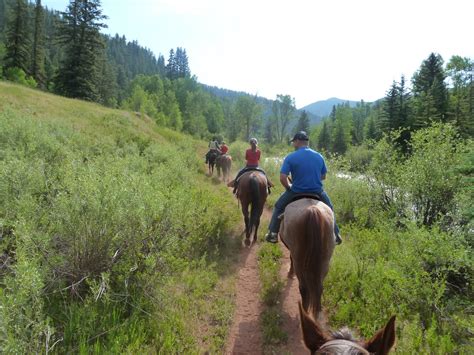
[[306, 167]]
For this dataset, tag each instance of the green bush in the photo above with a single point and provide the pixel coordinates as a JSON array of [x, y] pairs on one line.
[[17, 75]]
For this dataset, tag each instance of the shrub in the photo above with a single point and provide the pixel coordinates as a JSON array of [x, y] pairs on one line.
[[17, 75]]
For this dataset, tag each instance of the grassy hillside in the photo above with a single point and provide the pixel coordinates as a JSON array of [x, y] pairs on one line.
[[111, 238]]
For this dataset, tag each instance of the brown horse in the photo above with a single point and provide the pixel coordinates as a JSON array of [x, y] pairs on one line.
[[307, 230], [224, 162], [212, 161], [252, 191], [320, 341]]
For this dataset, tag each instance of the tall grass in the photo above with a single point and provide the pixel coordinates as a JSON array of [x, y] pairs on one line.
[[111, 240]]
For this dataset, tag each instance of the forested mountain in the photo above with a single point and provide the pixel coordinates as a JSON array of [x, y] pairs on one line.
[[323, 108]]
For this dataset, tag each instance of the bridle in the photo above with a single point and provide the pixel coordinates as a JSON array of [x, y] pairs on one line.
[[329, 347]]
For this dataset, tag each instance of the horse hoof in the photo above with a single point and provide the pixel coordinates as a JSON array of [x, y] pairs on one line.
[[247, 242]]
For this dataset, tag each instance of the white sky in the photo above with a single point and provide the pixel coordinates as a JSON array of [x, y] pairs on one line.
[[311, 50]]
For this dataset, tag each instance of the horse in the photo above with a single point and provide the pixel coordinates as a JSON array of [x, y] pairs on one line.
[[307, 230], [252, 190], [224, 162], [320, 341], [212, 156]]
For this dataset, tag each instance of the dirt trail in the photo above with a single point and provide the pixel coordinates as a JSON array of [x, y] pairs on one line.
[[245, 336]]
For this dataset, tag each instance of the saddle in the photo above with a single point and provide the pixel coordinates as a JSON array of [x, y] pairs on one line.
[[301, 196]]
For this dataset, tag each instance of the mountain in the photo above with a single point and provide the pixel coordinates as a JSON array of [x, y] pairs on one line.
[[323, 108], [266, 103]]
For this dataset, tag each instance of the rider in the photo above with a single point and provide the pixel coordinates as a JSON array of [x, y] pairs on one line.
[[252, 157], [307, 169], [213, 147], [224, 148]]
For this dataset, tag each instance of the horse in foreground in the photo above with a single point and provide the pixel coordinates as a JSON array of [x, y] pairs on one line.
[[320, 341], [224, 162], [307, 230], [252, 191]]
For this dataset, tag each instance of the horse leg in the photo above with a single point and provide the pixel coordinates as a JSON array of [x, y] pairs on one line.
[[245, 212], [304, 296], [291, 272], [256, 230]]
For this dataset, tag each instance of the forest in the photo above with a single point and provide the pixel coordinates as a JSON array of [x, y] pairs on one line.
[[103, 249]]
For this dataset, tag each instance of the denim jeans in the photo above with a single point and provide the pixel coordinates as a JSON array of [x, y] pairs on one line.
[[285, 198]]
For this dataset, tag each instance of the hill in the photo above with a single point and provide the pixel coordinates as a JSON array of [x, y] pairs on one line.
[[323, 108], [105, 219]]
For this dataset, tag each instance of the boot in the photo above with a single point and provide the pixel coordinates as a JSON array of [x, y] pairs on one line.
[[231, 183], [338, 239], [271, 237]]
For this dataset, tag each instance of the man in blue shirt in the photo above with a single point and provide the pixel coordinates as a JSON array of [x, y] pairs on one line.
[[308, 170]]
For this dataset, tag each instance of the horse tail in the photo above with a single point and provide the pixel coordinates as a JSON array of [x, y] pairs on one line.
[[255, 200], [314, 257]]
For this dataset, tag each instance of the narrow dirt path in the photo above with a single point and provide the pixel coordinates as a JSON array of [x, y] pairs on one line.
[[289, 303], [245, 335]]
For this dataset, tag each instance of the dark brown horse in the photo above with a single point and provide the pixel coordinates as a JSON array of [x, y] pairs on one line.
[[252, 191], [212, 161], [224, 162], [307, 230], [320, 341]]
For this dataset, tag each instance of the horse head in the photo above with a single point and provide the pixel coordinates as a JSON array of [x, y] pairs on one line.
[[320, 341]]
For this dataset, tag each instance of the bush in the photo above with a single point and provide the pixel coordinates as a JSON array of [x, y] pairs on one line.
[[17, 75]]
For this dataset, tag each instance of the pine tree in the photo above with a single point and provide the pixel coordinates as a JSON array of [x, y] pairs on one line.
[[339, 144], [333, 113], [303, 122], [324, 139], [38, 55], [430, 92], [171, 66], [17, 38], [79, 34]]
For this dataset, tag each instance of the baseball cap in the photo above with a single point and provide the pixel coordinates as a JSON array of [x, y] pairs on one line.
[[301, 136]]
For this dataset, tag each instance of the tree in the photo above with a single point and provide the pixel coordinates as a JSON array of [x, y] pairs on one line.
[[283, 109], [38, 55], [248, 114], [80, 37], [430, 92], [17, 38], [339, 144], [324, 139], [460, 71], [333, 113], [303, 122]]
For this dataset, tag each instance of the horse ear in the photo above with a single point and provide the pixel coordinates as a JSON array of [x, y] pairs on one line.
[[383, 340], [314, 336]]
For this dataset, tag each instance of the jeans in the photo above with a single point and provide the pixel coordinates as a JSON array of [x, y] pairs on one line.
[[285, 198]]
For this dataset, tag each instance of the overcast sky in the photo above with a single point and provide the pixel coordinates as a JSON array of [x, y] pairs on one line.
[[309, 49]]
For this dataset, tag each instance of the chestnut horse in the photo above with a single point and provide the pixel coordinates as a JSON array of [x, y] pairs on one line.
[[224, 162], [320, 341], [307, 230], [252, 191]]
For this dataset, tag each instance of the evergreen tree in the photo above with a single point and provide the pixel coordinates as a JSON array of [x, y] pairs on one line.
[[371, 130], [430, 92], [38, 55], [333, 113], [339, 144], [79, 34], [324, 139], [171, 70], [17, 38], [181, 66], [303, 122]]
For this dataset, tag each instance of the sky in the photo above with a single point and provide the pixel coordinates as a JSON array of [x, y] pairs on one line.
[[311, 50]]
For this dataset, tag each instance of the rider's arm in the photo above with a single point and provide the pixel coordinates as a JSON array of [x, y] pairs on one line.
[[284, 181]]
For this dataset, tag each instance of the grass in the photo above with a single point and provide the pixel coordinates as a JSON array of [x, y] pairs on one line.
[[120, 241]]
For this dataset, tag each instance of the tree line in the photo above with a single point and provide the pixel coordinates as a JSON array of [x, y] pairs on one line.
[[438, 93]]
